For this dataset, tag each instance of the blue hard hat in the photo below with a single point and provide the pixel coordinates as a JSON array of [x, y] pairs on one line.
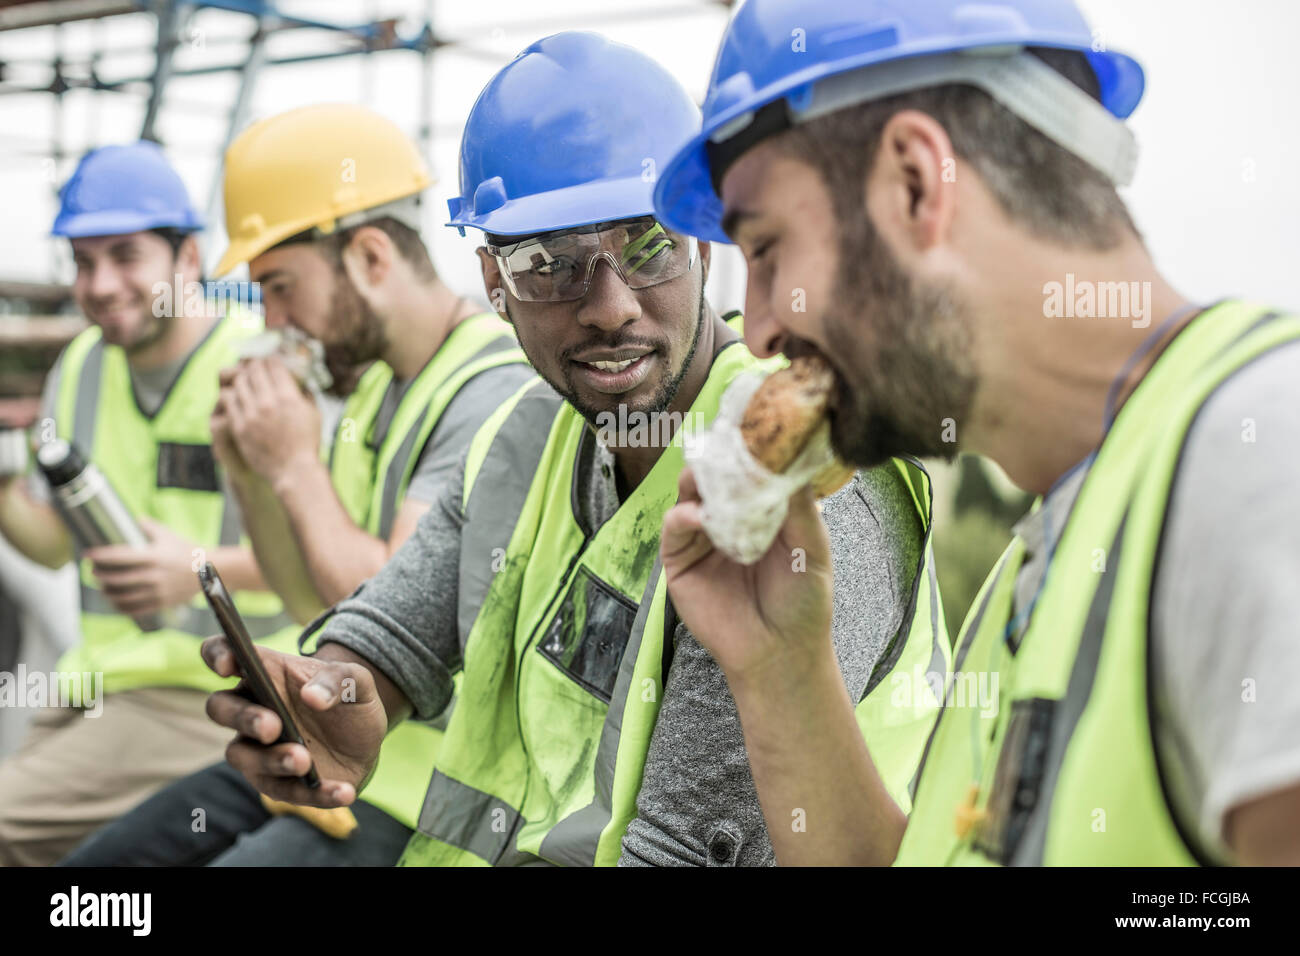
[[572, 132], [121, 189], [782, 48]]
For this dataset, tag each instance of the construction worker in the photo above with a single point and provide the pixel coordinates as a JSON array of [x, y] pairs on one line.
[[133, 394], [952, 169], [341, 260], [589, 727]]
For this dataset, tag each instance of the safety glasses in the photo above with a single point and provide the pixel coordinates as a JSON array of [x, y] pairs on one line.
[[558, 267]]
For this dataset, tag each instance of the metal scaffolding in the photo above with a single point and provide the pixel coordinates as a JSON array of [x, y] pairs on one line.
[[247, 55]]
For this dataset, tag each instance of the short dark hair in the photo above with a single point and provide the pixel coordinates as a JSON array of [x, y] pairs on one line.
[[176, 238], [173, 237], [408, 242], [1039, 184]]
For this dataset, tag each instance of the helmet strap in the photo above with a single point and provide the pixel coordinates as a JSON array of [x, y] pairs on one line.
[[405, 210], [1018, 80]]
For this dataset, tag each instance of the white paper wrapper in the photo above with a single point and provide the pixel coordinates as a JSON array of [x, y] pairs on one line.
[[301, 354], [744, 503]]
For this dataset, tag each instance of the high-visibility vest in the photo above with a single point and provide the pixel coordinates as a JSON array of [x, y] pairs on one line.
[[1065, 770], [566, 641], [162, 467], [371, 483]]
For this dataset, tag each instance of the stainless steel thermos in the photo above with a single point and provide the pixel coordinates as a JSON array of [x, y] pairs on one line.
[[90, 507]]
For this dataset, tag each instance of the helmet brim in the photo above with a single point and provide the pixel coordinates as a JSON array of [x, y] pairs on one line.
[[608, 200], [116, 222]]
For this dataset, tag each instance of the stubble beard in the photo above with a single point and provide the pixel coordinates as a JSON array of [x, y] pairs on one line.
[[659, 401], [913, 374], [362, 338]]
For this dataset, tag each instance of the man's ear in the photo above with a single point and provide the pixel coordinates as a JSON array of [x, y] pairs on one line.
[[493, 284], [706, 257], [368, 257], [189, 258], [909, 192]]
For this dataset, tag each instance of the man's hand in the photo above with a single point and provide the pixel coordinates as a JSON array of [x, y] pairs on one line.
[[337, 709], [275, 425], [152, 578], [1265, 831], [768, 615], [223, 438]]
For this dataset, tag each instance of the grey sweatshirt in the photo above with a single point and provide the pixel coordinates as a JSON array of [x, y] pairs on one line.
[[697, 804]]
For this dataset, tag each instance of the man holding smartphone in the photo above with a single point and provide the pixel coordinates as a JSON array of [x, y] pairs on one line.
[[590, 726], [421, 369]]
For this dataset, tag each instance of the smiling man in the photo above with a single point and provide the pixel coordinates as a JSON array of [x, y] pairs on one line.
[[133, 393], [590, 725], [949, 168]]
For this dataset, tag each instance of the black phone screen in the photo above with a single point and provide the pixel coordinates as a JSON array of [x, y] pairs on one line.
[[256, 683]]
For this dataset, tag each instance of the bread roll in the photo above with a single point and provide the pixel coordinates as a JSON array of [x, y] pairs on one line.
[[784, 414], [832, 478]]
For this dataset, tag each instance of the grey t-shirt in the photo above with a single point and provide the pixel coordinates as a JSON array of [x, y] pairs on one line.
[[696, 790], [149, 385], [698, 805], [468, 409], [1226, 656]]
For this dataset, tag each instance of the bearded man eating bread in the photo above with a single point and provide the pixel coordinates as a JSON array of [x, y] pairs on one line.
[[590, 727]]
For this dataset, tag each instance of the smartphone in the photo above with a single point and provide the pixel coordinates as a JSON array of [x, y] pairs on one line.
[[257, 684]]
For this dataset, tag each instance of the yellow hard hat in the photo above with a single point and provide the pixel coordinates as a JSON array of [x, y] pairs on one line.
[[325, 167]]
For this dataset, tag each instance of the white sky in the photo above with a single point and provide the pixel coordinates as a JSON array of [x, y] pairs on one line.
[[1216, 192]]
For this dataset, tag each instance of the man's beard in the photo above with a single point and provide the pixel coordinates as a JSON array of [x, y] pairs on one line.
[[358, 337], [153, 331], [906, 347], [658, 402]]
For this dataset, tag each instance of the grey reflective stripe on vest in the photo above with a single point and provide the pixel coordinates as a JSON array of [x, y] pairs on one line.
[[1070, 709], [198, 621], [393, 479], [574, 840], [970, 635], [500, 489], [937, 663], [83, 415], [469, 819], [397, 467]]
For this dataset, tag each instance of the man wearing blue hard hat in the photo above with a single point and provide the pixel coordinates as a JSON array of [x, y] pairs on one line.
[[950, 169], [132, 394], [590, 727]]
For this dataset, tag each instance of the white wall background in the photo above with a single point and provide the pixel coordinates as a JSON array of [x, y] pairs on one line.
[[1216, 193]]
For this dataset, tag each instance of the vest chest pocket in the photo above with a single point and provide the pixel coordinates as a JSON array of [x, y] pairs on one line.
[[589, 633], [192, 467], [1018, 779]]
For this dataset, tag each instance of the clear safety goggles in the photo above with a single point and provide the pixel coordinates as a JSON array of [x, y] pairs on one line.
[[559, 267]]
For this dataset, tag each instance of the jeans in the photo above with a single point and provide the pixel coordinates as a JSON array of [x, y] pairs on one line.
[[215, 818]]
